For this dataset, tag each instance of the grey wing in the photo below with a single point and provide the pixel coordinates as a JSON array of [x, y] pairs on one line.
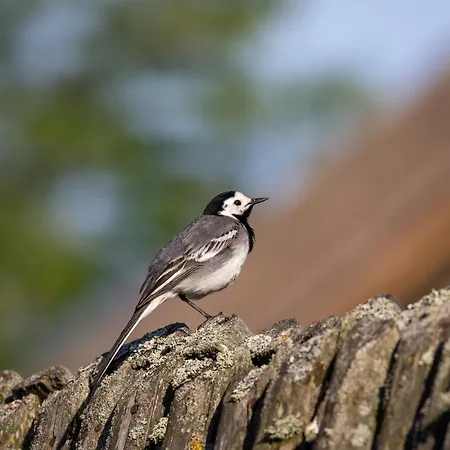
[[193, 247]]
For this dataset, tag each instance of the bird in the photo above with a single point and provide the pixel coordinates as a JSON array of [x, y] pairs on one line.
[[203, 258]]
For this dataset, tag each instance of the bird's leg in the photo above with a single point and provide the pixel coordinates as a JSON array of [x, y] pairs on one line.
[[197, 308]]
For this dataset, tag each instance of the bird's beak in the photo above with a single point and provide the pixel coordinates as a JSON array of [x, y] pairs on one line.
[[256, 200]]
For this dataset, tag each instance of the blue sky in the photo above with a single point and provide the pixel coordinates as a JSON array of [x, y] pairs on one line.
[[390, 45]]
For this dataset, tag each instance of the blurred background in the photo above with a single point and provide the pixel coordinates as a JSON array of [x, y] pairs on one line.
[[120, 119]]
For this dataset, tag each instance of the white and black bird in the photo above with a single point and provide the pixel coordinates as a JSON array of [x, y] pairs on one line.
[[205, 257]]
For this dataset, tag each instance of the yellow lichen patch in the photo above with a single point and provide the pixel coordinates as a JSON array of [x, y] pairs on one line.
[[196, 444], [284, 336]]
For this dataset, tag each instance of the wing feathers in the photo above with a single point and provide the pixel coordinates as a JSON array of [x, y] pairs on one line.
[[179, 268], [169, 284], [174, 267], [213, 247]]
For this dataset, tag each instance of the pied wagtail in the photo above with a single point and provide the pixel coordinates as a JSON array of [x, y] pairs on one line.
[[205, 257]]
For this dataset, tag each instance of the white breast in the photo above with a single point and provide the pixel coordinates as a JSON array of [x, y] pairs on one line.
[[207, 281]]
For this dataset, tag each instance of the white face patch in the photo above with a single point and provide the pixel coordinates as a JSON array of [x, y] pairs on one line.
[[236, 205]]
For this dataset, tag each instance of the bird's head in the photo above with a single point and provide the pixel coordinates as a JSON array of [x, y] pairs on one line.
[[233, 204]]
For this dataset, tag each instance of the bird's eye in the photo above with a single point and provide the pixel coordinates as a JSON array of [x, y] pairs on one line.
[[237, 202]]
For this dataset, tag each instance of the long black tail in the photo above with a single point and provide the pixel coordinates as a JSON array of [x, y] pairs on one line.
[[103, 366]]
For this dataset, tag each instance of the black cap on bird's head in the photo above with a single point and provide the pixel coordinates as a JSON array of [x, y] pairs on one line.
[[233, 204], [216, 204]]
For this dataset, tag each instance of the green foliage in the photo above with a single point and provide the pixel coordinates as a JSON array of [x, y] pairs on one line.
[[70, 126]]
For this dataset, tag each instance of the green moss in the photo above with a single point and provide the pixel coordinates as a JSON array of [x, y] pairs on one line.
[[260, 344], [244, 386], [284, 429], [137, 432], [305, 362], [426, 306], [191, 369], [224, 358], [159, 431], [381, 307], [15, 419]]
